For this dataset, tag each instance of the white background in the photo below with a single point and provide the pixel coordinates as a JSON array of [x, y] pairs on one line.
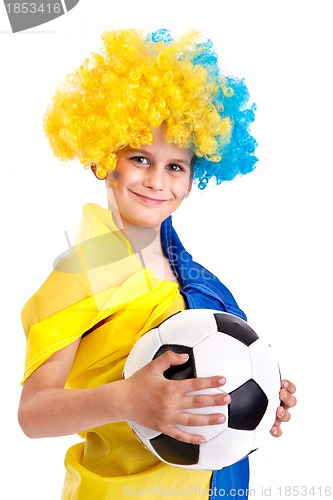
[[266, 235]]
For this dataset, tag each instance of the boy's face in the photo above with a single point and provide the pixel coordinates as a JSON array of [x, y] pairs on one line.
[[149, 183]]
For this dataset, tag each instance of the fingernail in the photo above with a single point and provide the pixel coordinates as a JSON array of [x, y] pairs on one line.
[[184, 356], [202, 441], [222, 380], [285, 385], [221, 419], [227, 399]]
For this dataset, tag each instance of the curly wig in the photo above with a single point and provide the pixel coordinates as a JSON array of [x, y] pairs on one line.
[[137, 82]]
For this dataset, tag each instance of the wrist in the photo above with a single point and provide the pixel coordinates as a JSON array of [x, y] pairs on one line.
[[115, 401]]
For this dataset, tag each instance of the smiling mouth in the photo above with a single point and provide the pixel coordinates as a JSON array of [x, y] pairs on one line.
[[147, 200]]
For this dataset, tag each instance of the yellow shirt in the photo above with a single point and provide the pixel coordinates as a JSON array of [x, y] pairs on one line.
[[111, 305]]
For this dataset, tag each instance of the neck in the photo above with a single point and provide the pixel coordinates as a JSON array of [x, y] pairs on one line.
[[140, 238], [146, 244]]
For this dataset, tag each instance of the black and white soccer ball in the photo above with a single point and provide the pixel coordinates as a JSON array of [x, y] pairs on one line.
[[218, 343]]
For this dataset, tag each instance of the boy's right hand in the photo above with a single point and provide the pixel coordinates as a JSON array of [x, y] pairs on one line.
[[151, 400]]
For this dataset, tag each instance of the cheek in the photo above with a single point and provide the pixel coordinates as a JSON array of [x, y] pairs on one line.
[[120, 180], [128, 177], [113, 179], [182, 190]]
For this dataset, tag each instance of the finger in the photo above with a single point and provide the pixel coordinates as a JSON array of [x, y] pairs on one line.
[[289, 386], [197, 401], [201, 383], [186, 437], [288, 399], [276, 431], [195, 419], [282, 414]]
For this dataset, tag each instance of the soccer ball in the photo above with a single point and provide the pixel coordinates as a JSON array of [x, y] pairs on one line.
[[218, 343]]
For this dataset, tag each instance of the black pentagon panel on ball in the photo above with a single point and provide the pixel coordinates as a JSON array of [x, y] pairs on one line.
[[175, 452], [179, 372], [236, 328], [248, 406]]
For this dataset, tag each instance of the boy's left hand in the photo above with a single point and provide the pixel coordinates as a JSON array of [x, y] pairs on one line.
[[288, 400]]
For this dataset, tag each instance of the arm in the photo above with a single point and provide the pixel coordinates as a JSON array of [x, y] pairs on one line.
[[48, 409]]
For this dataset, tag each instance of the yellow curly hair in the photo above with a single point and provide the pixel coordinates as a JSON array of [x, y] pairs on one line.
[[133, 84]]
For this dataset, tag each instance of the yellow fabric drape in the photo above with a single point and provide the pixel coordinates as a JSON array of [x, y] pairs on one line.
[[100, 290]]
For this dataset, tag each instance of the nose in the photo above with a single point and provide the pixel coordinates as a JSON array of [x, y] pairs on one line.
[[154, 178]]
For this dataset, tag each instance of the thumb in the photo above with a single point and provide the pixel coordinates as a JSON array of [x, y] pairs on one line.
[[169, 358]]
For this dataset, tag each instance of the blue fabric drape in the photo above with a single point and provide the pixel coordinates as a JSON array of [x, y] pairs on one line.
[[202, 290]]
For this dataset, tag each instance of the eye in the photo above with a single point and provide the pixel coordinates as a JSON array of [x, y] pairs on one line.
[[175, 168], [142, 160]]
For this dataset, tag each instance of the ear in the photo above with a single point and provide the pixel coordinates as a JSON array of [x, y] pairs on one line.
[[189, 189], [93, 169]]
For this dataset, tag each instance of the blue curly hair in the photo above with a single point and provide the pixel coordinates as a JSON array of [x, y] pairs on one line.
[[231, 98]]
